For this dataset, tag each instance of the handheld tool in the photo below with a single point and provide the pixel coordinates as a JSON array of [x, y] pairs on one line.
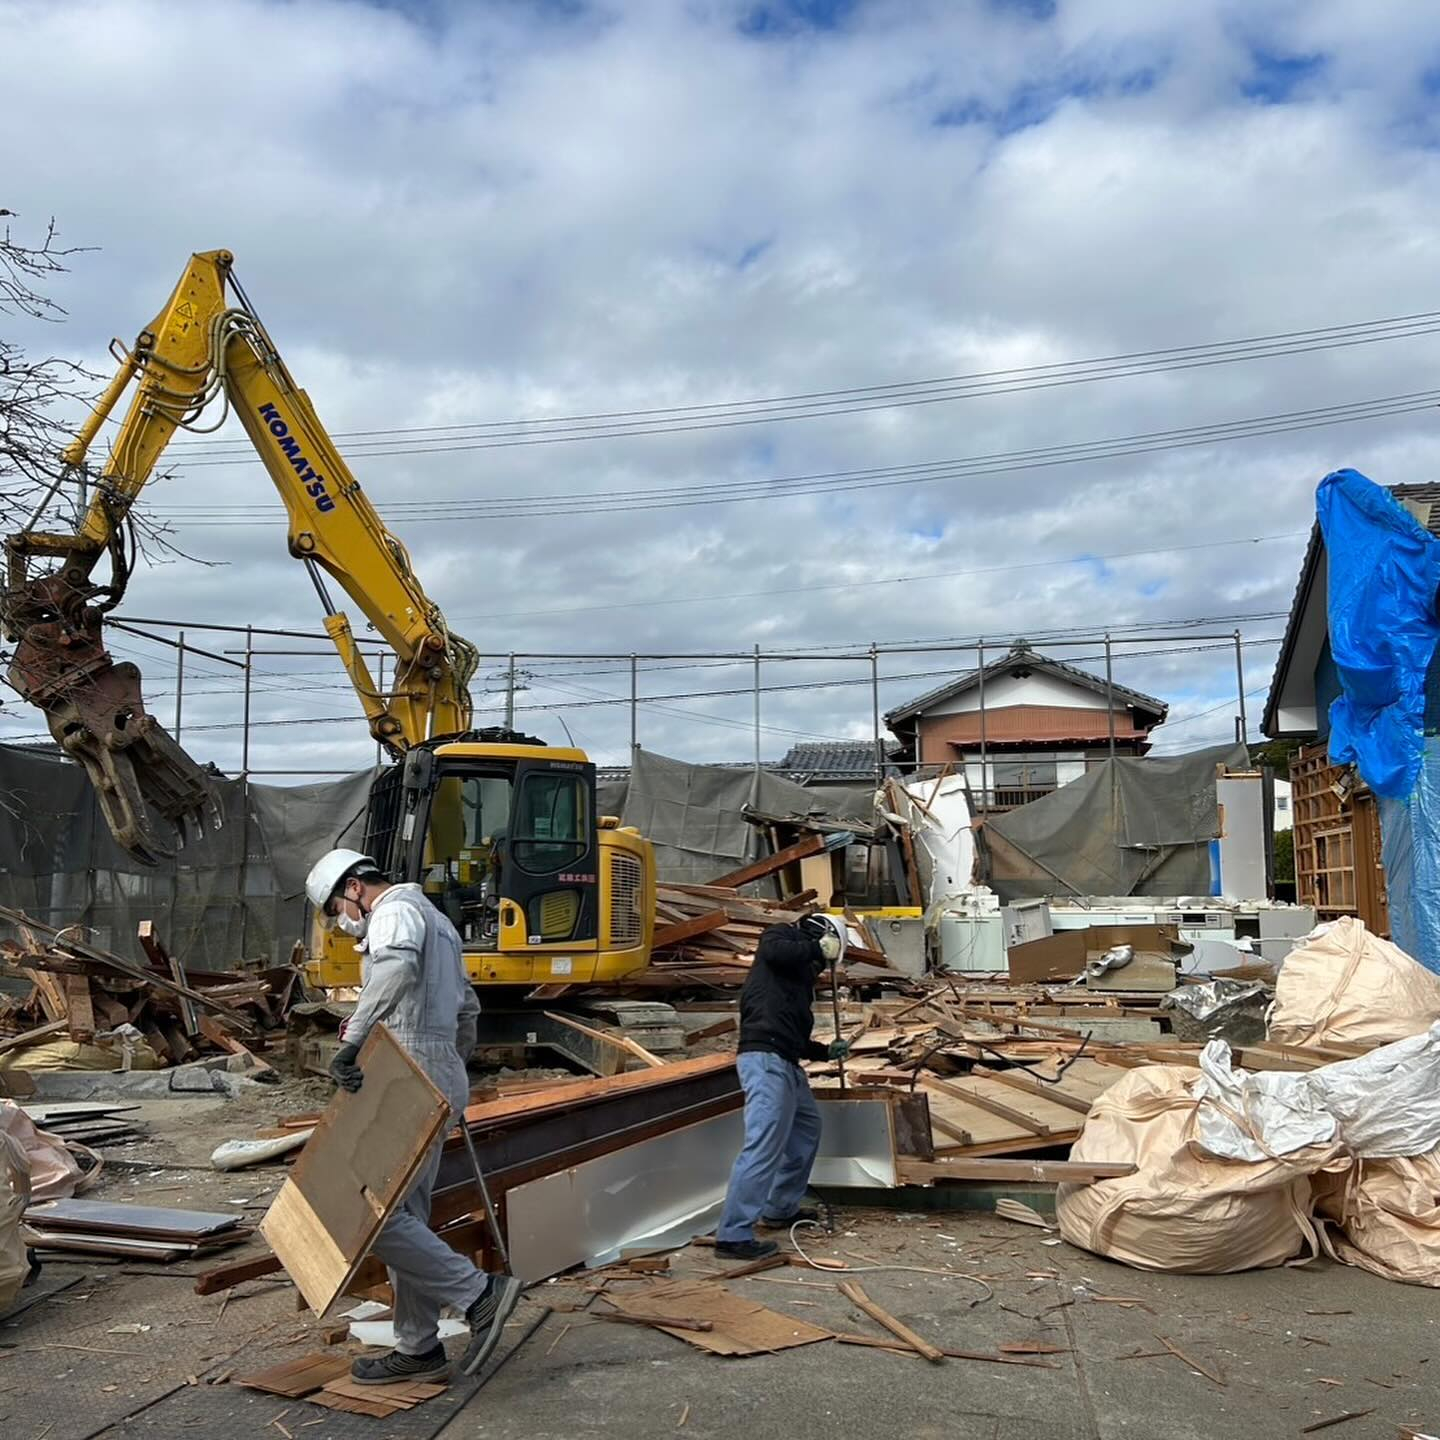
[[490, 1216]]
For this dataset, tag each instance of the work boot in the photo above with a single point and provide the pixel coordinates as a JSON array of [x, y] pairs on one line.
[[486, 1319], [386, 1369], [746, 1249], [795, 1217]]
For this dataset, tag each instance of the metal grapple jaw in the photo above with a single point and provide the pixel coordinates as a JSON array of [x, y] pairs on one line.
[[151, 792]]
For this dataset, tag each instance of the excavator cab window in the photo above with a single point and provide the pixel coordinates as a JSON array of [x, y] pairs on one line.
[[552, 823], [464, 857]]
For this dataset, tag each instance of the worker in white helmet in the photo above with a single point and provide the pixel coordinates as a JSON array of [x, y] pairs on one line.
[[413, 979]]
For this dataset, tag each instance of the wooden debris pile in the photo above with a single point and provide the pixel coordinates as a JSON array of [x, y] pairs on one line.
[[708, 934], [1010, 1072], [150, 1014]]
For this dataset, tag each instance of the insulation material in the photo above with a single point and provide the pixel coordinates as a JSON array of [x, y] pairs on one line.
[[1344, 985], [939, 820], [54, 1172], [1382, 1104], [14, 1197], [1128, 827], [1181, 1211], [1384, 1216]]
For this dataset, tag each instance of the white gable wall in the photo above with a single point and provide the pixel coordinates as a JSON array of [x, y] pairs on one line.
[[1034, 689]]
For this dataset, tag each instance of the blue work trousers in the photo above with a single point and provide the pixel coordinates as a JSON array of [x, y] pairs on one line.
[[782, 1135]]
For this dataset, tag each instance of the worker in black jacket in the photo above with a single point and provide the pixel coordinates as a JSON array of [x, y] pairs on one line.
[[782, 1123]]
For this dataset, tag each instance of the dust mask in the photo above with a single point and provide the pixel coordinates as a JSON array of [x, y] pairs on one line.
[[354, 928]]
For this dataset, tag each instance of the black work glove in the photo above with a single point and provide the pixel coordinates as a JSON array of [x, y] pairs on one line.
[[343, 1069]]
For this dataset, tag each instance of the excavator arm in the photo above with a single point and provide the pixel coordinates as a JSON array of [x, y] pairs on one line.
[[197, 350]]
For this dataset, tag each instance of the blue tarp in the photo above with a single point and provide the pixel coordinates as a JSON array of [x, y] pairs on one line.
[[1384, 571]]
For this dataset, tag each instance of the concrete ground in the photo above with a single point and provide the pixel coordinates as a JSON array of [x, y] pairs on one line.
[[1284, 1349]]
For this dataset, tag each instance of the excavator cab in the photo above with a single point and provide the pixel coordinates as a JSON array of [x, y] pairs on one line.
[[502, 833]]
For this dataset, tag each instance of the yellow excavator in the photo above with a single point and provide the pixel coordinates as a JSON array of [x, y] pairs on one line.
[[500, 828]]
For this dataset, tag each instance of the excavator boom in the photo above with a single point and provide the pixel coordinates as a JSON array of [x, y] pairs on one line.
[[199, 349]]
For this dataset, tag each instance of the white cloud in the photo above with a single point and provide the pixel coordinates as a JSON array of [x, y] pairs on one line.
[[455, 213]]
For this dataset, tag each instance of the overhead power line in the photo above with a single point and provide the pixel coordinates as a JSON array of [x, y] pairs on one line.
[[656, 420], [437, 511]]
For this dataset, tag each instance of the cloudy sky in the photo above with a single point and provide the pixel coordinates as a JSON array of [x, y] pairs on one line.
[[455, 215]]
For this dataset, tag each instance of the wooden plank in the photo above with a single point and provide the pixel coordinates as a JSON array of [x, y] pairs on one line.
[[163, 960], [798, 902], [81, 1011], [226, 1277], [52, 994], [296, 1378], [856, 1296], [1018, 1080], [701, 924], [709, 1032], [220, 1037], [674, 890], [977, 1096], [495, 1113], [355, 1170], [810, 845], [1046, 1172], [622, 1042], [33, 1037], [897, 1347]]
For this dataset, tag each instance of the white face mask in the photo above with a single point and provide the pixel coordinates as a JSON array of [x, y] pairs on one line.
[[354, 928]]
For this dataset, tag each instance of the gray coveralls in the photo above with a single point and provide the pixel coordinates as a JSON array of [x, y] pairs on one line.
[[413, 979]]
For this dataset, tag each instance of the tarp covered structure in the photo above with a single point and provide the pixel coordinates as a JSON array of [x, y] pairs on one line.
[[233, 893], [694, 814], [1131, 826], [1384, 572]]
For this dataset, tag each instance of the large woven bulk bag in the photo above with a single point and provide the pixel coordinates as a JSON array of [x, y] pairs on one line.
[[1384, 1216], [55, 1174], [1182, 1211], [14, 1197], [1347, 986]]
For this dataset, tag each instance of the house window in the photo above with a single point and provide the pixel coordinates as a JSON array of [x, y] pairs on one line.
[[1282, 803], [1024, 774]]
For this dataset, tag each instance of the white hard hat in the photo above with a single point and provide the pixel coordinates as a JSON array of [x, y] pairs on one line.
[[329, 870]]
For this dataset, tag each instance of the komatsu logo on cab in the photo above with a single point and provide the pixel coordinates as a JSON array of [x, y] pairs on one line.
[[314, 484]]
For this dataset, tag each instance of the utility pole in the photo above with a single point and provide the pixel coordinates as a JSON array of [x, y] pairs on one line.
[[510, 695], [179, 684], [757, 709]]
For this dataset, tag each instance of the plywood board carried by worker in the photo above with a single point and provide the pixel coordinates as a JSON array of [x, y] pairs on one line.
[[354, 1172]]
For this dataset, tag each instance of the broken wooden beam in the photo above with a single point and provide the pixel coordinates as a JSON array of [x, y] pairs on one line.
[[857, 1297], [898, 1347], [690, 929], [769, 864], [162, 959], [622, 1042], [226, 1277]]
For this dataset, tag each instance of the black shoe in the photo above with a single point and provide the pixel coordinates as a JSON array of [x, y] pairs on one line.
[[486, 1319], [795, 1217], [388, 1368], [746, 1249]]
